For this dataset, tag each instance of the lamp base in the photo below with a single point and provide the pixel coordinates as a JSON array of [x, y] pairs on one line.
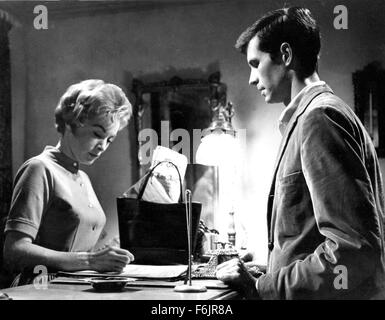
[[190, 288]]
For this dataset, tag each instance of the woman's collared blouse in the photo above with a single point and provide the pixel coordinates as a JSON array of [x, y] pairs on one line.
[[54, 203]]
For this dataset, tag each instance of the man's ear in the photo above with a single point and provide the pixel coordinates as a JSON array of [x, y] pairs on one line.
[[68, 129], [286, 53]]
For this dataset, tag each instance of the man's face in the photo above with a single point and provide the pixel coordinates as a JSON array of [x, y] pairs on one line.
[[270, 77]]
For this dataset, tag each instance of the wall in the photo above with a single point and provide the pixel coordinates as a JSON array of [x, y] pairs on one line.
[[188, 41]]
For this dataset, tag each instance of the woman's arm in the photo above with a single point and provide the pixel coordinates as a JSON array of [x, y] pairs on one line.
[[20, 252]]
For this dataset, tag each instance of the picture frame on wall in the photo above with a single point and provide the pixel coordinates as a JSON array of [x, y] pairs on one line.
[[369, 100]]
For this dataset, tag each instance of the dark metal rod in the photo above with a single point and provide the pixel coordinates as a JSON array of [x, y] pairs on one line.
[[189, 233]]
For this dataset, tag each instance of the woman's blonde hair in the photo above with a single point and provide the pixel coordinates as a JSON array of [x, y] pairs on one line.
[[91, 98]]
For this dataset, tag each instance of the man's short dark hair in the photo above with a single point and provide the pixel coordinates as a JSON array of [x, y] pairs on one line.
[[293, 25]]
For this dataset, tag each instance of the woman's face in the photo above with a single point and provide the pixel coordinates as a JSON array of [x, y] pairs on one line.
[[85, 144]]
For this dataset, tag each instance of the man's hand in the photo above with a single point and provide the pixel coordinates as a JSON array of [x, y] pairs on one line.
[[110, 259], [241, 276]]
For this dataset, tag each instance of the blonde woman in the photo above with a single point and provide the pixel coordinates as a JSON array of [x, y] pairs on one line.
[[55, 217]]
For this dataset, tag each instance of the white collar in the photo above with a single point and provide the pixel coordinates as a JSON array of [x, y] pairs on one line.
[[293, 105]]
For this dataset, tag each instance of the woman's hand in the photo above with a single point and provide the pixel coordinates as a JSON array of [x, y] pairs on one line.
[[20, 252], [110, 259]]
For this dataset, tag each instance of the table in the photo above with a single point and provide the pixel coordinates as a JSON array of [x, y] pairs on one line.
[[157, 291]]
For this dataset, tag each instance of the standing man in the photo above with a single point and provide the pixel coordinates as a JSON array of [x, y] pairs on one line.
[[326, 207]]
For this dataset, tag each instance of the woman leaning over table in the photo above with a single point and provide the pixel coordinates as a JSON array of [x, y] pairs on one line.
[[55, 218]]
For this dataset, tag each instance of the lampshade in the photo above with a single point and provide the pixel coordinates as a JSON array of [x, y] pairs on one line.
[[218, 149]]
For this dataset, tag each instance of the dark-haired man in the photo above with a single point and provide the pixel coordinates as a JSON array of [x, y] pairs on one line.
[[326, 206]]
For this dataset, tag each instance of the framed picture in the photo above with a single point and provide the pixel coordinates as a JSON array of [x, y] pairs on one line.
[[369, 100]]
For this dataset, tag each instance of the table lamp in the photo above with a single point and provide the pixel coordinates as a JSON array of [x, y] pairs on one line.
[[220, 147]]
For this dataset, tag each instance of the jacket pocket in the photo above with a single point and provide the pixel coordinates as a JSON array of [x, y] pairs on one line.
[[292, 204]]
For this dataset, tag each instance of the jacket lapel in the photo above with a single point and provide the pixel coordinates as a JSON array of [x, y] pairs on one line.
[[304, 103]]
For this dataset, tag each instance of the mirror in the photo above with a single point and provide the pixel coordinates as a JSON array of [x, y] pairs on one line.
[[174, 113], [167, 113]]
